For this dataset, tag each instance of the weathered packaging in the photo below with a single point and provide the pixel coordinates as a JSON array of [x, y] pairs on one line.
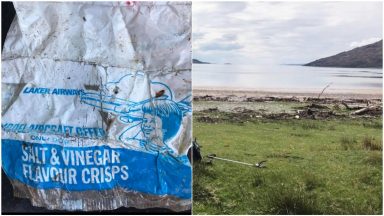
[[96, 104]]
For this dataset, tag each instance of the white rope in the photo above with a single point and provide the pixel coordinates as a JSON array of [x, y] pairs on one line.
[[224, 159]]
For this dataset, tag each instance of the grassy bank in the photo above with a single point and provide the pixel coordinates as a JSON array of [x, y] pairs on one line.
[[329, 166]]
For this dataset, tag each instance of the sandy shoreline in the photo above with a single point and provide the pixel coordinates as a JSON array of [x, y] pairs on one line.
[[328, 93]]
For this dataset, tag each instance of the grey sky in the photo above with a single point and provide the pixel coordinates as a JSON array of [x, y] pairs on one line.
[[281, 32]]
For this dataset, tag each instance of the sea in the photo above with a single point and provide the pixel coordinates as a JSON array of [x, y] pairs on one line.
[[294, 78]]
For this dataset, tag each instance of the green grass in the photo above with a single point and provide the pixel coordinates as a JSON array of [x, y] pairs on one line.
[[314, 167], [370, 143]]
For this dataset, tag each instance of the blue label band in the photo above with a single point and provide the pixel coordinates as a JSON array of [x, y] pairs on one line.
[[47, 166]]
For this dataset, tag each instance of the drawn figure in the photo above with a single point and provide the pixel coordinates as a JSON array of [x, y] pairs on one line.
[[150, 123]]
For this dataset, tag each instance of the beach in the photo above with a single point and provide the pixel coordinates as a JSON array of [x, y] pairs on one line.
[[286, 93]]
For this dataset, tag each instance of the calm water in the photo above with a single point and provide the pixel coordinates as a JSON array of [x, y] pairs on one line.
[[289, 77]]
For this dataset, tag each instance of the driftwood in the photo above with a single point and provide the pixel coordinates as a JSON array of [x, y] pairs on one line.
[[354, 106], [365, 110], [324, 90]]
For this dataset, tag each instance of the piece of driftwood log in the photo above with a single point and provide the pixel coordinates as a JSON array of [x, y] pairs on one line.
[[364, 110], [354, 106]]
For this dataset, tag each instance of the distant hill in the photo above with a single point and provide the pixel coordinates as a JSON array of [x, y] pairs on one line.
[[368, 56], [195, 61]]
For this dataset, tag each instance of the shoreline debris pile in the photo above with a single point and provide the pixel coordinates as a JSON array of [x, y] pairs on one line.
[[307, 108]]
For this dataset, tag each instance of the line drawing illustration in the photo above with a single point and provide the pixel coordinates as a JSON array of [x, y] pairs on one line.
[[151, 123]]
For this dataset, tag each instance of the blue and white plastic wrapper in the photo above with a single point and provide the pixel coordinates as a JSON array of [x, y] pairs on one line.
[[96, 104]]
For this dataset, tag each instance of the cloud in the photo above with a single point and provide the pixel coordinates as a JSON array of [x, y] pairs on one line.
[[198, 35], [220, 46], [229, 37], [364, 42], [282, 32], [230, 7]]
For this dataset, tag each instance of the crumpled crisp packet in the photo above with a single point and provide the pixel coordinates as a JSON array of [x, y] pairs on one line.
[[96, 104]]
